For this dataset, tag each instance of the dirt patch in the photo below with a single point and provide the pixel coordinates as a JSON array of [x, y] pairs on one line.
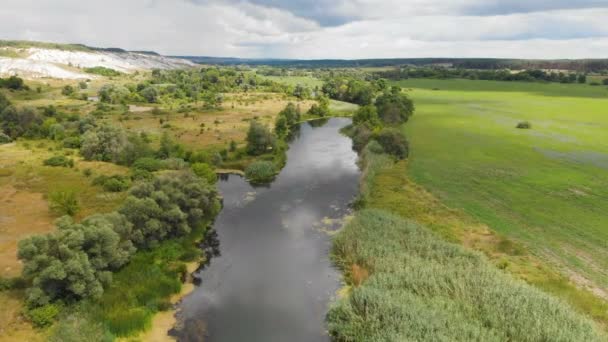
[[13, 326], [358, 274], [22, 214]]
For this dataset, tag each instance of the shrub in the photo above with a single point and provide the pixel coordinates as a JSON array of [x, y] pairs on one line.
[[102, 71], [260, 172], [115, 183], [43, 316], [104, 143], [205, 171], [394, 107], [64, 202], [393, 142], [361, 135], [259, 139], [168, 206], [71, 142], [76, 260], [59, 161], [524, 125], [4, 139], [67, 90]]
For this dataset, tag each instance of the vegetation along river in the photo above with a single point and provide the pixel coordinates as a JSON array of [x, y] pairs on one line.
[[273, 279]]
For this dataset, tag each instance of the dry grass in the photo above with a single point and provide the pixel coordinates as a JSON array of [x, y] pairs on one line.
[[13, 326], [198, 129]]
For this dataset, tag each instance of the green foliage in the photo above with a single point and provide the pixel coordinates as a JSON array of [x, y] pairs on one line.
[[393, 142], [79, 326], [394, 107], [150, 94], [115, 183], [148, 164], [67, 90], [104, 143], [113, 94], [367, 115], [43, 316], [102, 71], [414, 286], [16, 122], [259, 139], [59, 161], [321, 109], [524, 125], [13, 83], [75, 261], [205, 171], [349, 90], [260, 172], [64, 202], [168, 207], [287, 118], [4, 139], [71, 142]]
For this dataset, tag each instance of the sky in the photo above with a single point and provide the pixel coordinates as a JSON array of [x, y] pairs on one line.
[[299, 29]]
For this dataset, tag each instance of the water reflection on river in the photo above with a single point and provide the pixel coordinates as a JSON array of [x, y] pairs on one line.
[[273, 279]]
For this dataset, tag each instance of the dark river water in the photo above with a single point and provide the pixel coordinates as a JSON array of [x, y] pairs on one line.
[[273, 280]]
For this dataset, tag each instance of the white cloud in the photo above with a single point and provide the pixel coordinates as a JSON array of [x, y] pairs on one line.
[[296, 29]]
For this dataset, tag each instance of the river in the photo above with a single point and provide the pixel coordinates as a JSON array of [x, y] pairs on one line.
[[273, 279]]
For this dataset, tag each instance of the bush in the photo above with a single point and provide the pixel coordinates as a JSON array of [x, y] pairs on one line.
[[394, 107], [147, 164], [76, 260], [71, 142], [260, 172], [115, 183], [168, 206], [64, 202], [205, 171], [59, 161], [259, 139], [102, 71], [524, 125], [5, 139], [43, 316], [393, 142], [361, 135]]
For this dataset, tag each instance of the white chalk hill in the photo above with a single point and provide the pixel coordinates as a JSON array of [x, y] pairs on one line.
[[41, 62]]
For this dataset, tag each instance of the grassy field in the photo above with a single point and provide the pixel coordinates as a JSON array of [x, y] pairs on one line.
[[307, 81], [545, 188]]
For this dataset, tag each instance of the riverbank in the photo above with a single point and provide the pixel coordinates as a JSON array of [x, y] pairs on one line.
[[409, 283]]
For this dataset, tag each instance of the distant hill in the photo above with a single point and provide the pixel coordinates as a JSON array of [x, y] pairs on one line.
[[71, 61], [580, 65]]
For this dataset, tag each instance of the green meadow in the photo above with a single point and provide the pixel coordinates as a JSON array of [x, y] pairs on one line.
[[545, 188]]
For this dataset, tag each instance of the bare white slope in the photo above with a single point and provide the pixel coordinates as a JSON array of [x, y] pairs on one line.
[[60, 64]]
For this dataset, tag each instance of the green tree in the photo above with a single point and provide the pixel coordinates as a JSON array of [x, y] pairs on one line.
[[367, 114], [394, 107], [168, 206], [259, 139], [75, 261], [104, 143], [205, 171], [64, 202]]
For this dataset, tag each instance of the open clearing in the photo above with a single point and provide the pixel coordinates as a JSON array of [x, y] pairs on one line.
[[546, 187]]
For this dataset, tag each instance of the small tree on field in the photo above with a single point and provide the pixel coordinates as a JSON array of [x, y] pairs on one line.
[[64, 202], [259, 139]]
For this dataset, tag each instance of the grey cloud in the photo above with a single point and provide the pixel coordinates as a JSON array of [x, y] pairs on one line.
[[503, 7]]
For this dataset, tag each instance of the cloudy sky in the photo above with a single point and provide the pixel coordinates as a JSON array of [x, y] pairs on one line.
[[320, 29]]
